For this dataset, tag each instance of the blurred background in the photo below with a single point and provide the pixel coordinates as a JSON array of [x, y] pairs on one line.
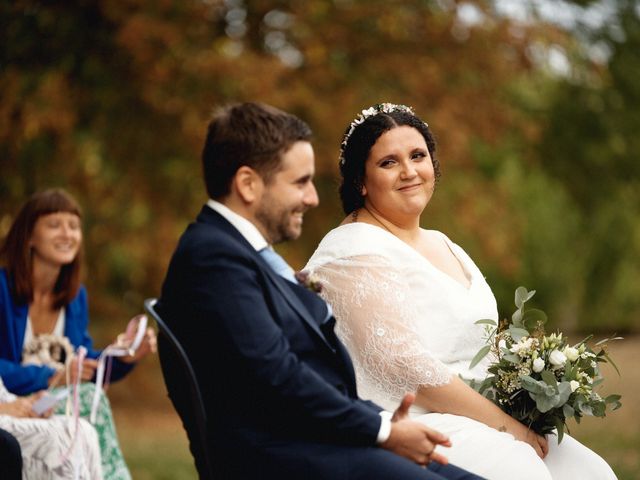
[[535, 105]]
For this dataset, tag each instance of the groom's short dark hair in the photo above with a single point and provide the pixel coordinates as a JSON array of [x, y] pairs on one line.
[[251, 134]]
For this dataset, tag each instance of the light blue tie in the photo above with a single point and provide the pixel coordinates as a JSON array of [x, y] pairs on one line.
[[282, 268], [277, 264]]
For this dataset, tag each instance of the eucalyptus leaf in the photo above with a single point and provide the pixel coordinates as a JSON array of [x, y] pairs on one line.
[[559, 428], [564, 392], [521, 296], [517, 333], [568, 411], [586, 409], [599, 409], [511, 357], [532, 385], [516, 318], [612, 398], [549, 378], [480, 355], [534, 317], [551, 392], [545, 403], [485, 385], [487, 321]]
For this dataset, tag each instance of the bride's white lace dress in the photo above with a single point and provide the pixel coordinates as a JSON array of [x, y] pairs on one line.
[[408, 324]]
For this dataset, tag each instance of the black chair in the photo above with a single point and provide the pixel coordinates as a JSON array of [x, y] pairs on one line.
[[197, 413]]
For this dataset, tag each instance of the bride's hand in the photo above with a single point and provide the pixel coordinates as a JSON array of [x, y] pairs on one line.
[[537, 442]]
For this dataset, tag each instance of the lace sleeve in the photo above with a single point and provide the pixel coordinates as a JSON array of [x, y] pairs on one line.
[[376, 320]]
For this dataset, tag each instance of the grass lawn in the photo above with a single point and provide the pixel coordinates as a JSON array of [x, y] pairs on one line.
[[155, 444]]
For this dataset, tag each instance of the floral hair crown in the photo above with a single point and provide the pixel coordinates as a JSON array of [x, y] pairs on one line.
[[370, 112]]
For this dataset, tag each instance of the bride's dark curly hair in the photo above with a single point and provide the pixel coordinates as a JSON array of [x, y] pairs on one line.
[[359, 143]]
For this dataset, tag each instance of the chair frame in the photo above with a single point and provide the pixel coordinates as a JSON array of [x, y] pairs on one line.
[[199, 412]]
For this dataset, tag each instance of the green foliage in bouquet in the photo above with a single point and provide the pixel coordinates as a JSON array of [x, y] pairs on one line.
[[540, 379]]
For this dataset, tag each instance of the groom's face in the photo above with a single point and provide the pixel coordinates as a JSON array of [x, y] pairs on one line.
[[288, 195]]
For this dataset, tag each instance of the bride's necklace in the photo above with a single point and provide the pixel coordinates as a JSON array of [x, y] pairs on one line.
[[354, 217]]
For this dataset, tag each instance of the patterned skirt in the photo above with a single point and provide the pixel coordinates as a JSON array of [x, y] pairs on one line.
[[52, 448]]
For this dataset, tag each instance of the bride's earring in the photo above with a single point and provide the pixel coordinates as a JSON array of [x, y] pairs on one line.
[[360, 188]]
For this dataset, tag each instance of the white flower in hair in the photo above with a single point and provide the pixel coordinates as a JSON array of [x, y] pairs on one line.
[[367, 113]]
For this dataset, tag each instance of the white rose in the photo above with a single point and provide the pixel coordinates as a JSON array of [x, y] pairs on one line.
[[571, 353], [574, 385], [557, 358], [538, 365]]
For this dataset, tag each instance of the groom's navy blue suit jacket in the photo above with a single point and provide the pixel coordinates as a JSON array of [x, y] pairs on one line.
[[272, 374]]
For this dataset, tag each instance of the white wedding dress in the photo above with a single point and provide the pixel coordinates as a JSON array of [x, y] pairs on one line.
[[407, 324]]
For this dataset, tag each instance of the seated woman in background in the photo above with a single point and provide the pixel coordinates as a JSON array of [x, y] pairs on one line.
[[44, 313], [51, 448], [406, 299]]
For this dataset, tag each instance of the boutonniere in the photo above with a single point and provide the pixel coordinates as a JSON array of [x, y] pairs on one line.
[[309, 281]]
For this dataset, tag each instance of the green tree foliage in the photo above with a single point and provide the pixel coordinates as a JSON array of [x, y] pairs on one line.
[[591, 145]]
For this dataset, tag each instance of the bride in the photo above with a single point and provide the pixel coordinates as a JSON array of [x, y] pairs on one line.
[[406, 300]]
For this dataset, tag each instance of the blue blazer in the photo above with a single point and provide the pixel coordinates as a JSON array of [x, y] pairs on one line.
[[273, 375], [23, 380]]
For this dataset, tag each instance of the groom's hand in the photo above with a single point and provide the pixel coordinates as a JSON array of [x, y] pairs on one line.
[[402, 411], [414, 440]]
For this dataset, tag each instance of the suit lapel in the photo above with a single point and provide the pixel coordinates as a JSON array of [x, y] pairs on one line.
[[293, 301], [208, 215]]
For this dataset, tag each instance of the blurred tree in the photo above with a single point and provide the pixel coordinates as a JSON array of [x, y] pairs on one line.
[[591, 145], [110, 98]]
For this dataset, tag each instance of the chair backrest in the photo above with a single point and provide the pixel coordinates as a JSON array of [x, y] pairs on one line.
[[198, 412]]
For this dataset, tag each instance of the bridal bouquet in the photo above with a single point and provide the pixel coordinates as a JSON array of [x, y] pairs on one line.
[[539, 379]]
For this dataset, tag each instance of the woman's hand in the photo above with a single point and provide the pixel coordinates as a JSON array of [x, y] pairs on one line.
[[19, 408], [524, 434], [89, 366], [149, 344]]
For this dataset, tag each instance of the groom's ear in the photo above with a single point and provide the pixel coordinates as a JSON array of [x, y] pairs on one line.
[[248, 184]]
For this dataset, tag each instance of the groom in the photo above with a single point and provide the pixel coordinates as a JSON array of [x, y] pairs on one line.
[[278, 385]]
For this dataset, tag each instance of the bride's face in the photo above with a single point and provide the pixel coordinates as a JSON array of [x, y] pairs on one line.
[[399, 176]]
